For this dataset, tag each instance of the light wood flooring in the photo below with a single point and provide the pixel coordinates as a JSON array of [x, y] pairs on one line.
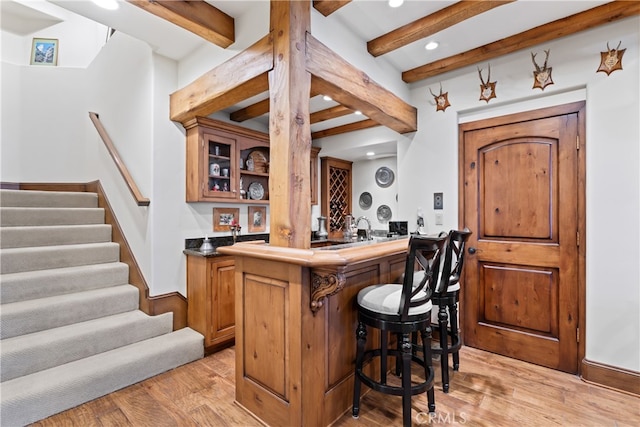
[[489, 390]]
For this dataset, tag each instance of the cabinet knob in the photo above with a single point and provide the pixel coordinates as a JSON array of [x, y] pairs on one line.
[[472, 251]]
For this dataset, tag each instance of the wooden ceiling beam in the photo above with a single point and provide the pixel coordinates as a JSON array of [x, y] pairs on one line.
[[429, 25], [251, 112], [354, 89], [362, 124], [262, 107], [233, 81], [329, 113], [327, 7], [255, 110], [198, 17], [576, 23]]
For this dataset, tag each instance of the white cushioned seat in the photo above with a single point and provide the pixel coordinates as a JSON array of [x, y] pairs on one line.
[[385, 299]]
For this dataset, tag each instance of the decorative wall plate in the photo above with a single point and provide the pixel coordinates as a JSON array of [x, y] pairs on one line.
[[384, 177], [256, 191], [384, 213], [365, 200]]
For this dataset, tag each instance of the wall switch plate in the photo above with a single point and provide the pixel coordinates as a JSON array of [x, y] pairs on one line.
[[439, 219], [438, 202]]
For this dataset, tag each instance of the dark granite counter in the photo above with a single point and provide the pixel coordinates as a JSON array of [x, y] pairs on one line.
[[192, 246]]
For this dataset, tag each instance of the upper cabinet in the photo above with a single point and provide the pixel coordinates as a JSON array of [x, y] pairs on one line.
[[228, 163]]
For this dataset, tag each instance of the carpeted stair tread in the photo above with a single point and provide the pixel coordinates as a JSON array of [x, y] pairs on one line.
[[17, 216], [35, 315], [29, 398], [15, 260], [28, 285], [34, 198], [51, 235], [70, 325], [26, 354]]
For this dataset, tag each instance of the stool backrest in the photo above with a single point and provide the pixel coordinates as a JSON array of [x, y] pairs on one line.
[[425, 252], [453, 259]]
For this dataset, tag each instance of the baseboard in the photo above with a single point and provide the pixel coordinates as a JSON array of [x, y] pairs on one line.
[[610, 376], [152, 306]]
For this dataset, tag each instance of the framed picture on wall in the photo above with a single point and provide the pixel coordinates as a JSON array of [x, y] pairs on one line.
[[44, 52], [224, 217], [257, 219]]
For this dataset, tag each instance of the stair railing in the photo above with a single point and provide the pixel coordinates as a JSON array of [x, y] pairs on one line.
[[133, 188]]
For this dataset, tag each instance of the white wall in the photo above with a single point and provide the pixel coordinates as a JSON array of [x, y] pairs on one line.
[[121, 93], [42, 107], [613, 176], [363, 173], [11, 129], [79, 38]]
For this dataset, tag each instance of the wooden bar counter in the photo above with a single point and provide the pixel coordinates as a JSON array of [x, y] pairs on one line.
[[296, 322]]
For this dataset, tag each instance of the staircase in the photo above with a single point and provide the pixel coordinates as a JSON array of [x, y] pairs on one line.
[[70, 327]]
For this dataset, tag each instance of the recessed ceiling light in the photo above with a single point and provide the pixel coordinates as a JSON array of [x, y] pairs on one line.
[[107, 4], [431, 45], [395, 3], [370, 153], [326, 98], [357, 112]]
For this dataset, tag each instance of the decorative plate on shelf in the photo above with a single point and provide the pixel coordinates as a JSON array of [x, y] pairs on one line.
[[256, 191], [365, 200], [384, 213], [384, 177], [260, 159]]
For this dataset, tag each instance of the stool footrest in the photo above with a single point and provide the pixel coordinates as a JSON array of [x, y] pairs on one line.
[[388, 389], [451, 349]]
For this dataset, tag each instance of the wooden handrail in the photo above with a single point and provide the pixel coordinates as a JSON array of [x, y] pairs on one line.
[[142, 201]]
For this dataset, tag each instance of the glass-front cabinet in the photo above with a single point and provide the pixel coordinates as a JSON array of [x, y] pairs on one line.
[[220, 165], [226, 163]]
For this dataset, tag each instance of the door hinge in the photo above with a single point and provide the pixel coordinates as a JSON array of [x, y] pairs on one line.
[[577, 334], [577, 142], [577, 238]]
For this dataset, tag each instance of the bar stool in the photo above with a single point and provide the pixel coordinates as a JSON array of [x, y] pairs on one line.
[[446, 297], [401, 309]]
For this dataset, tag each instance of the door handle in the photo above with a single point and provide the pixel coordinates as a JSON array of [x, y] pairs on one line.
[[472, 251]]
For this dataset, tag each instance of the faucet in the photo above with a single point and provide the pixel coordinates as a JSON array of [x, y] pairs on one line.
[[368, 230]]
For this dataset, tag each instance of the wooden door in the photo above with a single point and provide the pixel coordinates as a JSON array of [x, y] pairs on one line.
[[521, 200]]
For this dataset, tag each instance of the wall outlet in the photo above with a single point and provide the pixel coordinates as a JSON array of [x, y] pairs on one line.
[[438, 202], [439, 219]]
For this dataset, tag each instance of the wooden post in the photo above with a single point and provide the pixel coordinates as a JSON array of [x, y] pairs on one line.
[[289, 126]]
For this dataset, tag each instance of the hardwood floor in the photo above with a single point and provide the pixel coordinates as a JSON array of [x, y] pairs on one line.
[[489, 390]]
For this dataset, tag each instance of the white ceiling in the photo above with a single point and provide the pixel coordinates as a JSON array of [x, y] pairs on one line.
[[368, 19]]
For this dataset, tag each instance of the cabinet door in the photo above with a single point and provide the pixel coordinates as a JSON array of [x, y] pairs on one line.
[[336, 193], [222, 301], [220, 167]]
